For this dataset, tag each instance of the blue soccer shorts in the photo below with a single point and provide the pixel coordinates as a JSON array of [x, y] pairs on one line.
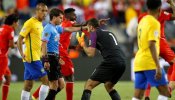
[[144, 77], [34, 70]]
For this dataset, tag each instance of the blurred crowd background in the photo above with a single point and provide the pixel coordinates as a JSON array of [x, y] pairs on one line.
[[123, 16]]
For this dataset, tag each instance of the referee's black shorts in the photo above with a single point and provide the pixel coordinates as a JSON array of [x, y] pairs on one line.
[[54, 73], [108, 71]]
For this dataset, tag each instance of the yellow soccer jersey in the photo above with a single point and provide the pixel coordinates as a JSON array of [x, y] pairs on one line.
[[32, 32], [148, 29]]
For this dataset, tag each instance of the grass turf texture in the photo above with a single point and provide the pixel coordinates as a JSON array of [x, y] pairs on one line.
[[125, 89]]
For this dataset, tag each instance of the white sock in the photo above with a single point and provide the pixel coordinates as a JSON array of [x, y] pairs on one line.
[[161, 97], [133, 98], [25, 95], [43, 92]]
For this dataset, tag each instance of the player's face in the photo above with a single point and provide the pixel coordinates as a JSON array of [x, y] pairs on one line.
[[42, 12], [59, 19], [73, 16], [16, 24], [90, 28]]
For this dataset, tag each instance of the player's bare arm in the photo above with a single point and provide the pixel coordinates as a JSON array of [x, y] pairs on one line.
[[74, 29], [44, 55], [12, 44], [101, 22], [19, 45], [171, 3], [152, 47]]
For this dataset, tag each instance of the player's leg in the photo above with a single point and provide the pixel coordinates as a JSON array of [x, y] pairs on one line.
[[69, 86], [6, 84], [35, 95], [4, 67], [140, 85], [68, 72], [25, 94], [114, 75], [147, 92], [89, 85], [161, 84], [53, 75], [169, 56]]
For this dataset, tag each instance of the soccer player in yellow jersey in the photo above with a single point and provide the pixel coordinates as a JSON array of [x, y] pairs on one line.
[[31, 33], [146, 65]]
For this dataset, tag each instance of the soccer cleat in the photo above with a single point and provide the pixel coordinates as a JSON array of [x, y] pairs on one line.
[[147, 98], [33, 98]]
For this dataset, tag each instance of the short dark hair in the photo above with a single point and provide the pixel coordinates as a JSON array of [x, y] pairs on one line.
[[10, 19], [153, 4], [93, 22], [55, 12], [40, 5], [69, 10]]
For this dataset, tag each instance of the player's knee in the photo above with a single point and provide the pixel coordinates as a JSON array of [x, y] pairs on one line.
[[109, 86], [69, 78]]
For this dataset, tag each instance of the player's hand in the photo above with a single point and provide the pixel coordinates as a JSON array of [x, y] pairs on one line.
[[61, 61], [103, 21], [170, 2], [47, 65], [80, 38], [24, 58], [158, 75]]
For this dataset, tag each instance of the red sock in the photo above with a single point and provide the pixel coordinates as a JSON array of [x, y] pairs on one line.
[[5, 90], [169, 72], [36, 93], [69, 90], [147, 92]]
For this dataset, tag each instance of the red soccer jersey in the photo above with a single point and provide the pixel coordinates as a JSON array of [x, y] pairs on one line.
[[65, 38], [6, 34], [164, 16]]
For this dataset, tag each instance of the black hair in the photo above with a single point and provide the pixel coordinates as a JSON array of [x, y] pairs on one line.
[[10, 19], [93, 22], [69, 10], [55, 12], [153, 4], [40, 5]]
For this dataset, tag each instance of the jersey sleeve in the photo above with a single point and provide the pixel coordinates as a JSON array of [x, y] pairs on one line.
[[93, 39], [11, 35], [60, 29], [165, 15], [26, 29], [154, 31], [46, 34]]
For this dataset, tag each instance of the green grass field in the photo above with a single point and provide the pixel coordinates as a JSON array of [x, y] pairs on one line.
[[124, 88]]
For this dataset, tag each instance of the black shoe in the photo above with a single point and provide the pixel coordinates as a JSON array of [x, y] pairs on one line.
[[147, 98]]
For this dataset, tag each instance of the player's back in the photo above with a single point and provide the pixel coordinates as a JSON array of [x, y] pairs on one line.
[[148, 30], [107, 43], [164, 16], [6, 34]]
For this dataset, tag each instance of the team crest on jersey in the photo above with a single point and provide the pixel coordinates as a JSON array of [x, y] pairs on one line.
[[156, 33]]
